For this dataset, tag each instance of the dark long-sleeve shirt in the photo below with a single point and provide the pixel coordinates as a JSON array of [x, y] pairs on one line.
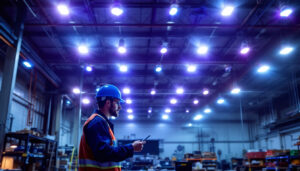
[[98, 138]]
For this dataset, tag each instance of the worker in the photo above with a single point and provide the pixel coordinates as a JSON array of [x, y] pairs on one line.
[[98, 149]]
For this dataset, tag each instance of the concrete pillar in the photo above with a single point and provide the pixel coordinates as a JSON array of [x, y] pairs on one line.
[[10, 72], [75, 131]]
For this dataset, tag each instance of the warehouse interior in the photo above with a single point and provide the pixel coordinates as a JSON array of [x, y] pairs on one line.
[[215, 83]]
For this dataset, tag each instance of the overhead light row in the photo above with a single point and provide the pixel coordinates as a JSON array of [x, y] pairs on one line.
[[117, 10]]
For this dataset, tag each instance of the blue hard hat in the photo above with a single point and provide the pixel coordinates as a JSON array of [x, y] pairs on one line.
[[109, 90]]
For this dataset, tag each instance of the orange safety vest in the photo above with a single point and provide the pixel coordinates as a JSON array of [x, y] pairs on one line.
[[87, 162]]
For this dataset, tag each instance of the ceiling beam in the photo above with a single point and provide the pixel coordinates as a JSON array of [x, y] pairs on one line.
[[229, 26]]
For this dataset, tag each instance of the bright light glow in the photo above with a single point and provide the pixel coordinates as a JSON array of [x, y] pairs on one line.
[[163, 50], [117, 11], [174, 9], [130, 117], [85, 101], [13, 146], [198, 117], [205, 92], [235, 91], [76, 90], [68, 102], [126, 91], [207, 110], [129, 110], [27, 64], [286, 50], [128, 101], [187, 111], [173, 101], [245, 50], [97, 89], [220, 101], [168, 110], [179, 90], [286, 12], [190, 124], [83, 49], [122, 49], [63, 9], [88, 68], [263, 69], [158, 68], [191, 68], [113, 118], [202, 50], [196, 101], [165, 117], [153, 92], [227, 11], [123, 68], [149, 111]]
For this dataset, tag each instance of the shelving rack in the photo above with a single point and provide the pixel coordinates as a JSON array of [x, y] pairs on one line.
[[30, 149]]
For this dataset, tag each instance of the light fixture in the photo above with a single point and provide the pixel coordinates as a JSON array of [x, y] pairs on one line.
[[27, 64], [207, 110], [190, 124], [286, 50], [220, 101], [116, 10], [235, 91], [126, 91], [97, 89], [150, 110], [245, 50], [202, 50], [163, 50], [121, 47], [76, 90], [286, 12], [158, 68], [179, 90], [113, 118], [129, 111], [85, 101], [153, 92], [122, 50], [83, 49], [128, 101], [130, 117], [168, 110], [196, 101], [198, 117], [191, 68], [63, 9], [123, 68], [227, 11], [88, 68], [187, 111], [263, 69], [165, 117], [68, 102], [173, 101], [173, 9], [205, 92]]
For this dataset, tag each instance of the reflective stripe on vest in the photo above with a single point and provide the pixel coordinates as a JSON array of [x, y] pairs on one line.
[[87, 161], [100, 165]]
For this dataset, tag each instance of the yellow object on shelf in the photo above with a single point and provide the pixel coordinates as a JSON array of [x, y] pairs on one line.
[[7, 163]]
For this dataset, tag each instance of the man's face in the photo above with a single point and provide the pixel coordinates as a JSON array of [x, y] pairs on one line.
[[115, 107]]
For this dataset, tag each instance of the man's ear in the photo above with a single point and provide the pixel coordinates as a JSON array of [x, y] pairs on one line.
[[107, 102]]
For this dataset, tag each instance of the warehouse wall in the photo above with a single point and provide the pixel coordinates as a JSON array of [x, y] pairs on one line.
[[21, 102], [230, 138]]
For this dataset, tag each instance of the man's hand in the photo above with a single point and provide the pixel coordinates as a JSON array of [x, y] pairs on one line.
[[138, 145]]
